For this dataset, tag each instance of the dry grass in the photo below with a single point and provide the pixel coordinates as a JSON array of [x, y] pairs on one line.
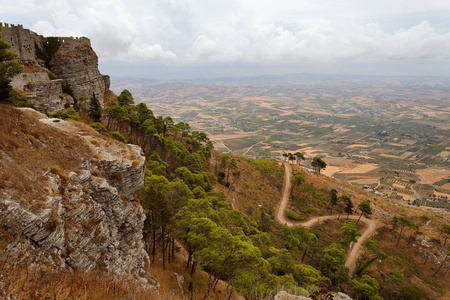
[[252, 190], [409, 260], [29, 149], [45, 283]]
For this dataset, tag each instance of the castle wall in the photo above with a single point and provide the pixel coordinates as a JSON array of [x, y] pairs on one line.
[[22, 41], [75, 63]]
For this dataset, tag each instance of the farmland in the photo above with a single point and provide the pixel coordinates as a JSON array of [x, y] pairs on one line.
[[389, 135]]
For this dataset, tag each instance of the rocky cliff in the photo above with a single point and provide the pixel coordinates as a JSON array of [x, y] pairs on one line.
[[66, 196], [75, 63]]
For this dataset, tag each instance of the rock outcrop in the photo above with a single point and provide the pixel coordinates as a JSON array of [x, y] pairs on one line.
[[87, 217], [75, 63], [283, 295]]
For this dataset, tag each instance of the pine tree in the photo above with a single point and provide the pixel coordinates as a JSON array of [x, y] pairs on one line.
[[95, 109], [8, 69]]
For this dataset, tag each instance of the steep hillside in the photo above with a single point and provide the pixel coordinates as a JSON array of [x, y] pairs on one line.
[[66, 197]]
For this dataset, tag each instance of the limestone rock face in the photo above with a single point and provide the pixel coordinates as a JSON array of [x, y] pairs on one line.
[[89, 218], [283, 295], [75, 63]]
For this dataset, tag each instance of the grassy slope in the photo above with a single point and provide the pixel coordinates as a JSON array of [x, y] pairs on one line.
[[408, 259]]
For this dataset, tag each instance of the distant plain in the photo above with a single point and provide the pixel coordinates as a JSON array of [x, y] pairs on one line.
[[387, 134]]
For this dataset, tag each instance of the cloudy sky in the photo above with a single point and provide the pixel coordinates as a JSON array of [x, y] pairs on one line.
[[185, 39]]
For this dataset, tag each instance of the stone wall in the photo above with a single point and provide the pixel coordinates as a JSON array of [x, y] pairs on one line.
[[75, 63], [23, 41]]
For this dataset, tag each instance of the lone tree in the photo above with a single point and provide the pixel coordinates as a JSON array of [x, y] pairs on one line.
[[8, 69], [445, 232], [95, 109], [296, 181], [333, 199], [348, 206], [318, 164], [299, 156], [365, 208], [443, 262], [369, 245], [404, 223], [349, 232], [125, 98]]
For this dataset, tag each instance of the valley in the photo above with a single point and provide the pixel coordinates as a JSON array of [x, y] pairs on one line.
[[388, 135]]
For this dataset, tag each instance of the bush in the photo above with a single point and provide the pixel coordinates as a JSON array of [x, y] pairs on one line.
[[293, 215], [67, 89], [51, 75], [116, 135], [410, 292], [18, 99], [100, 128], [69, 114]]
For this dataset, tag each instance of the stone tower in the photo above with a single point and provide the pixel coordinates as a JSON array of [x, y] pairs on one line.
[[75, 63]]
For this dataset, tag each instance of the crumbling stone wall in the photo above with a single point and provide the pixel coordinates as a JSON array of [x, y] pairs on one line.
[[75, 63]]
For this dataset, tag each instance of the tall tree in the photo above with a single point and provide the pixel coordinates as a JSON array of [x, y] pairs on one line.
[[125, 98], [365, 208], [299, 156], [445, 232], [8, 69], [344, 202], [296, 181], [366, 288], [333, 199], [318, 164], [313, 242], [404, 223], [444, 261], [349, 232], [348, 208], [95, 109], [369, 245], [332, 263]]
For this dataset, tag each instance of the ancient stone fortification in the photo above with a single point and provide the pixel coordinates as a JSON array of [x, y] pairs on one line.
[[74, 63]]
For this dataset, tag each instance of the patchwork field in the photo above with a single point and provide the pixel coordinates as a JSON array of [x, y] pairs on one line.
[[389, 135]]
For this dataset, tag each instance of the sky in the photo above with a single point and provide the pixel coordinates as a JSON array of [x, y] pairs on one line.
[[188, 39]]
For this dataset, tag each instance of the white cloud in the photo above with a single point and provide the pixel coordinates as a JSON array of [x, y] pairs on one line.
[[189, 32], [319, 42]]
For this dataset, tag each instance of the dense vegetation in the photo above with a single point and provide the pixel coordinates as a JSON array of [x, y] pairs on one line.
[[182, 206]]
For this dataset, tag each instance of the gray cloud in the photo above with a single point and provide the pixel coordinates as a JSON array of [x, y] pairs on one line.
[[247, 32]]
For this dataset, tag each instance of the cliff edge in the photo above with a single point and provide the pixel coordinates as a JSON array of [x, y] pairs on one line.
[[66, 196]]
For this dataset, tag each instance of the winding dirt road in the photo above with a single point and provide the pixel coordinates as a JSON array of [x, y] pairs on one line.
[[281, 218]]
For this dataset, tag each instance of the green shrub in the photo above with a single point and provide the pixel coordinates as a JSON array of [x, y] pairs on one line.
[[99, 127], [69, 114], [410, 292], [18, 99], [293, 215], [51, 45], [51, 75], [67, 89], [116, 135], [310, 210], [398, 277]]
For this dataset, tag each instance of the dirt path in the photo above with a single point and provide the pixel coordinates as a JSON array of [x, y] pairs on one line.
[[354, 253], [255, 145]]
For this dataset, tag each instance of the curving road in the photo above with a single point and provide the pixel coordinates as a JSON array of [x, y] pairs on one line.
[[281, 218]]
